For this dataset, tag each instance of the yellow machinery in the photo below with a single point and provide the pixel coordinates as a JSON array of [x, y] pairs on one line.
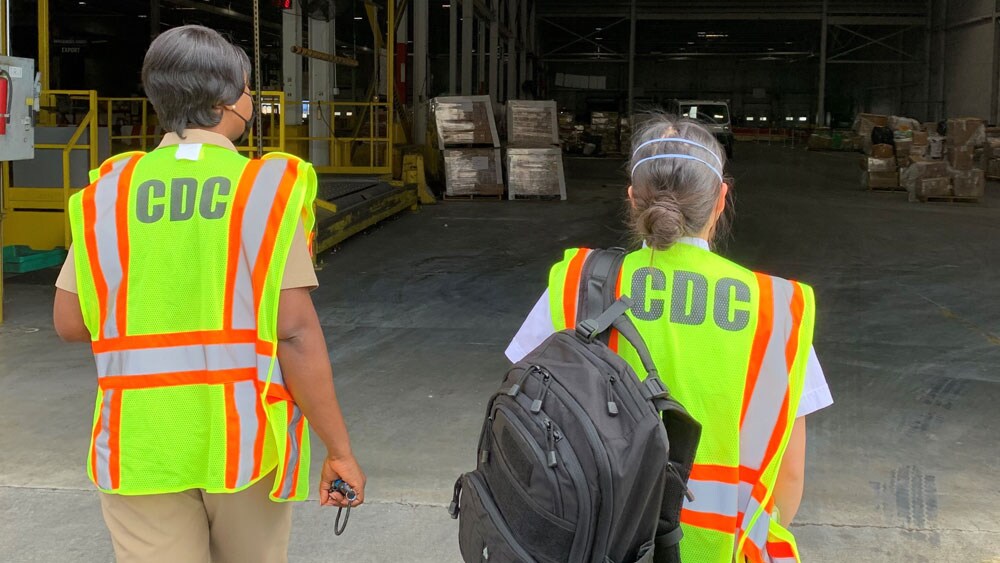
[[370, 175]]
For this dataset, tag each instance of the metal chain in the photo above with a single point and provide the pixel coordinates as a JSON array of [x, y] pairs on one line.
[[258, 118]]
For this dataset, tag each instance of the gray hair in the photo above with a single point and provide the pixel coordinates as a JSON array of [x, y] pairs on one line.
[[188, 72], [674, 197]]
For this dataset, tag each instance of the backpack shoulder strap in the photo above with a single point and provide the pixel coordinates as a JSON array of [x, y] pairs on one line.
[[598, 279], [601, 309]]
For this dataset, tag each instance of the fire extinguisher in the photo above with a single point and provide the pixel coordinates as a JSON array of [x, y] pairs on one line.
[[6, 97]]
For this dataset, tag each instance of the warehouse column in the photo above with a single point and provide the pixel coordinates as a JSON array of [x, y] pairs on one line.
[[420, 23], [995, 86], [291, 65], [453, 47], [481, 57], [154, 19], [401, 58], [523, 37], [468, 20], [532, 42], [511, 50], [927, 60], [320, 91], [631, 58], [494, 40], [821, 101]]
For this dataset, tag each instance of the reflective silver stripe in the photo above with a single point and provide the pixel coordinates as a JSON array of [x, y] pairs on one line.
[[102, 442], [152, 361], [263, 364], [293, 459], [106, 234], [760, 528], [245, 397], [772, 382], [713, 497], [258, 208]]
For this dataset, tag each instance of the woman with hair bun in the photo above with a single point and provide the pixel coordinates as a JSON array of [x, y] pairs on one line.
[[732, 345]]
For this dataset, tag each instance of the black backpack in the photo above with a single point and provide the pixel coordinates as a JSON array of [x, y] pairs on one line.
[[579, 461]]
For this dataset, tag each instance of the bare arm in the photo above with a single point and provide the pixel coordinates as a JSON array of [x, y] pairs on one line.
[[791, 477], [305, 365], [68, 317]]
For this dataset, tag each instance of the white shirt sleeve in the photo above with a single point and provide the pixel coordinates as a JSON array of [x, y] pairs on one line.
[[538, 326]]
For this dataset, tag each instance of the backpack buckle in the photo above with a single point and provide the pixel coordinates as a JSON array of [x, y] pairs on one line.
[[588, 330]]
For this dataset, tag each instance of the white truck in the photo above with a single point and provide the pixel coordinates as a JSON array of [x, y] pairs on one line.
[[714, 114]]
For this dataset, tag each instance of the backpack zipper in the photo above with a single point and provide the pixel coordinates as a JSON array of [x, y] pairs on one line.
[[687, 492], [550, 435], [516, 388], [612, 405], [536, 405]]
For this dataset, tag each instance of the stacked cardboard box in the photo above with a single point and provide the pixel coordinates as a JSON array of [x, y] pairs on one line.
[[467, 135], [535, 172], [925, 179], [991, 153], [879, 172], [964, 135], [465, 121], [968, 183], [604, 124], [473, 171], [532, 123]]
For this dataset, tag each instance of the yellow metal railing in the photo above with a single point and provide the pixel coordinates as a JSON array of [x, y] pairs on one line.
[[369, 151], [28, 210], [118, 106], [273, 122]]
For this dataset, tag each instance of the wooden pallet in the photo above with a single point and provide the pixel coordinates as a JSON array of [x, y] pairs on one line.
[[949, 199], [497, 196], [535, 197], [887, 189]]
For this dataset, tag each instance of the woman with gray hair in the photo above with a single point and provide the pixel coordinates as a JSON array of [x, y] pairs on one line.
[[732, 345], [190, 277]]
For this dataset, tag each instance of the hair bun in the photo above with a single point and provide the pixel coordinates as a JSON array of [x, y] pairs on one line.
[[663, 222]]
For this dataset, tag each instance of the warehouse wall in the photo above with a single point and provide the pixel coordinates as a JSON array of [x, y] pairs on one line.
[[968, 59], [775, 89]]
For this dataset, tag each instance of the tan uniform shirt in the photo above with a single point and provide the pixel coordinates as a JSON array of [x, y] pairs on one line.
[[299, 270]]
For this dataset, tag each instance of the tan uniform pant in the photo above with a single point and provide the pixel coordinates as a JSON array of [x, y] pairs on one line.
[[198, 527]]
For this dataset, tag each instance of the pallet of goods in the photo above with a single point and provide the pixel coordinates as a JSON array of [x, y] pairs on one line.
[[473, 172], [535, 173]]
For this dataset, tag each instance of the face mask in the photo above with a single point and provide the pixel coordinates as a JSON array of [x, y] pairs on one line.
[[247, 124]]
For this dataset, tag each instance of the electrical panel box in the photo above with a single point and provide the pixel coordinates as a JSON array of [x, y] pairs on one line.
[[17, 98]]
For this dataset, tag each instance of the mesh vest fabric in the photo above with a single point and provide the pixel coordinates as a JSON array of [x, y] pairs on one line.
[[732, 347], [179, 267]]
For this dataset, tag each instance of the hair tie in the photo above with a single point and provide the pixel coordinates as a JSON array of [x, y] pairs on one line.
[[677, 140], [681, 156]]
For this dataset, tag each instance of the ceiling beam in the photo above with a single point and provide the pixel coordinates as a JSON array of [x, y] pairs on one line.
[[225, 12]]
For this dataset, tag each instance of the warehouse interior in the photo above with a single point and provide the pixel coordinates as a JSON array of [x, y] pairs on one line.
[[462, 145]]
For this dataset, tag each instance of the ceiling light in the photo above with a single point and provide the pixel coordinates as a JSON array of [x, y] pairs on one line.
[[749, 119], [598, 29], [446, 5], [599, 38], [82, 3], [690, 42], [803, 119], [359, 18], [143, 16], [763, 119]]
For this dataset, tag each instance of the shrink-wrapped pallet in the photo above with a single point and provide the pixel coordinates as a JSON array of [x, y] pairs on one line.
[[535, 172], [473, 172]]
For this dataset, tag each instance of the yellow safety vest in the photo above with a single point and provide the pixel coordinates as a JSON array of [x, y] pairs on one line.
[[732, 346], [179, 266]]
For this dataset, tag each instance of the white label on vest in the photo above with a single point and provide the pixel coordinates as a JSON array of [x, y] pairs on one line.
[[190, 151]]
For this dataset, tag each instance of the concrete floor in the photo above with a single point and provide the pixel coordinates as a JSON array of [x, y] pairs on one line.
[[417, 312]]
